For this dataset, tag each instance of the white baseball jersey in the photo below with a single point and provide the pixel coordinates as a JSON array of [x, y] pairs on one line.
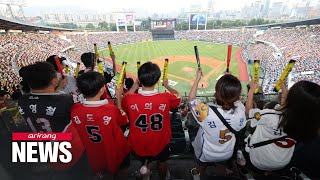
[[273, 156], [214, 141]]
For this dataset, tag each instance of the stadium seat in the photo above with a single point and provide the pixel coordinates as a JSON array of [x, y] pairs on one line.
[[176, 126], [177, 143]]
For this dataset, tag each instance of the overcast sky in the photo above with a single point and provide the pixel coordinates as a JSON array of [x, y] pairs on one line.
[[150, 5]]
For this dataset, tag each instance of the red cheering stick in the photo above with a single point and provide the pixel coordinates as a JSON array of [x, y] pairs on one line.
[[229, 56], [56, 58]]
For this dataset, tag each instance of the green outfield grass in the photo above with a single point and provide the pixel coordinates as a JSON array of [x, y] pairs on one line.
[[145, 51]]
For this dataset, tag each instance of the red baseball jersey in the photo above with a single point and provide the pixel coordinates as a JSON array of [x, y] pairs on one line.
[[98, 124], [148, 112]]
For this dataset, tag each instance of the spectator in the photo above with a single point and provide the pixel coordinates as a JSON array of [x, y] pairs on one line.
[[71, 86], [273, 155], [300, 120], [214, 142], [47, 111], [98, 124], [148, 111]]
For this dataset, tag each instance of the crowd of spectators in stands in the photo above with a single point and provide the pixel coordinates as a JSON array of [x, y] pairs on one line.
[[234, 37], [17, 50], [84, 41], [288, 43], [301, 101]]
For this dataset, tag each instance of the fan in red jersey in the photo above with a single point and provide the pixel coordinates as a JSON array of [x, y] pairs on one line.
[[148, 112], [98, 124]]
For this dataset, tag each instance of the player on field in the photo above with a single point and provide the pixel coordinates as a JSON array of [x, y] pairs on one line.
[[274, 155], [148, 112], [98, 124], [214, 142]]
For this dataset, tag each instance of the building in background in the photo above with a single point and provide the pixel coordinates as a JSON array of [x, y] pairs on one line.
[[276, 10]]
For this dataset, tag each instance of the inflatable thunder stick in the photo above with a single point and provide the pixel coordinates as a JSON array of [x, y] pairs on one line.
[[229, 56], [284, 75], [110, 48], [121, 75], [56, 58], [256, 74], [67, 69], [197, 55], [138, 65], [77, 70], [96, 52], [100, 67], [165, 71]]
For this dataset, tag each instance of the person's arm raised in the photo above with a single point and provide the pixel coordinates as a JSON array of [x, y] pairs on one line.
[[249, 103], [119, 93], [170, 89], [114, 67], [284, 93], [134, 87], [193, 91]]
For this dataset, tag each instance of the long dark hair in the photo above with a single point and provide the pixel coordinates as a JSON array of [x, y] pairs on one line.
[[301, 118], [228, 91]]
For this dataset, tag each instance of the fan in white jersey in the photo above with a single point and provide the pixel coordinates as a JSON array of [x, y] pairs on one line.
[[214, 141], [273, 156]]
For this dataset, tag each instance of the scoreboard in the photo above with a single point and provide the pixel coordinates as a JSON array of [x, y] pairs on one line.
[[164, 24]]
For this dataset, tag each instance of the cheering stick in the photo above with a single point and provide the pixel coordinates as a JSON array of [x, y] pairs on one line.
[[165, 71], [197, 55], [110, 48], [67, 69], [229, 56], [256, 74], [100, 67], [56, 58], [138, 65], [96, 52], [121, 75], [77, 70], [284, 75]]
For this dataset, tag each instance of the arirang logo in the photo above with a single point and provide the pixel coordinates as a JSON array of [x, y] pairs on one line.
[[41, 151]]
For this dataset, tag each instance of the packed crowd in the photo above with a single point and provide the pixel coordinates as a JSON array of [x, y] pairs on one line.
[[18, 50], [261, 141], [289, 43], [84, 41], [272, 65], [23, 49], [225, 36]]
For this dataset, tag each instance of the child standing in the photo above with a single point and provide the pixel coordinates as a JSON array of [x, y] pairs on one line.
[[98, 124], [148, 112]]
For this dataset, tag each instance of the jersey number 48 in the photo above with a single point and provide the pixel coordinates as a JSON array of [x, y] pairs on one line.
[[155, 122]]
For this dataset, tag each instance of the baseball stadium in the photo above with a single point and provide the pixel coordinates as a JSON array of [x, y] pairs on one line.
[[182, 61], [142, 93]]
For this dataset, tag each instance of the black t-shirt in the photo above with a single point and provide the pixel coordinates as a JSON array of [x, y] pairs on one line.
[[46, 112], [307, 158], [108, 76]]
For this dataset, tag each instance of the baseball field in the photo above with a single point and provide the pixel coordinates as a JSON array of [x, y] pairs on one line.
[[182, 62]]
